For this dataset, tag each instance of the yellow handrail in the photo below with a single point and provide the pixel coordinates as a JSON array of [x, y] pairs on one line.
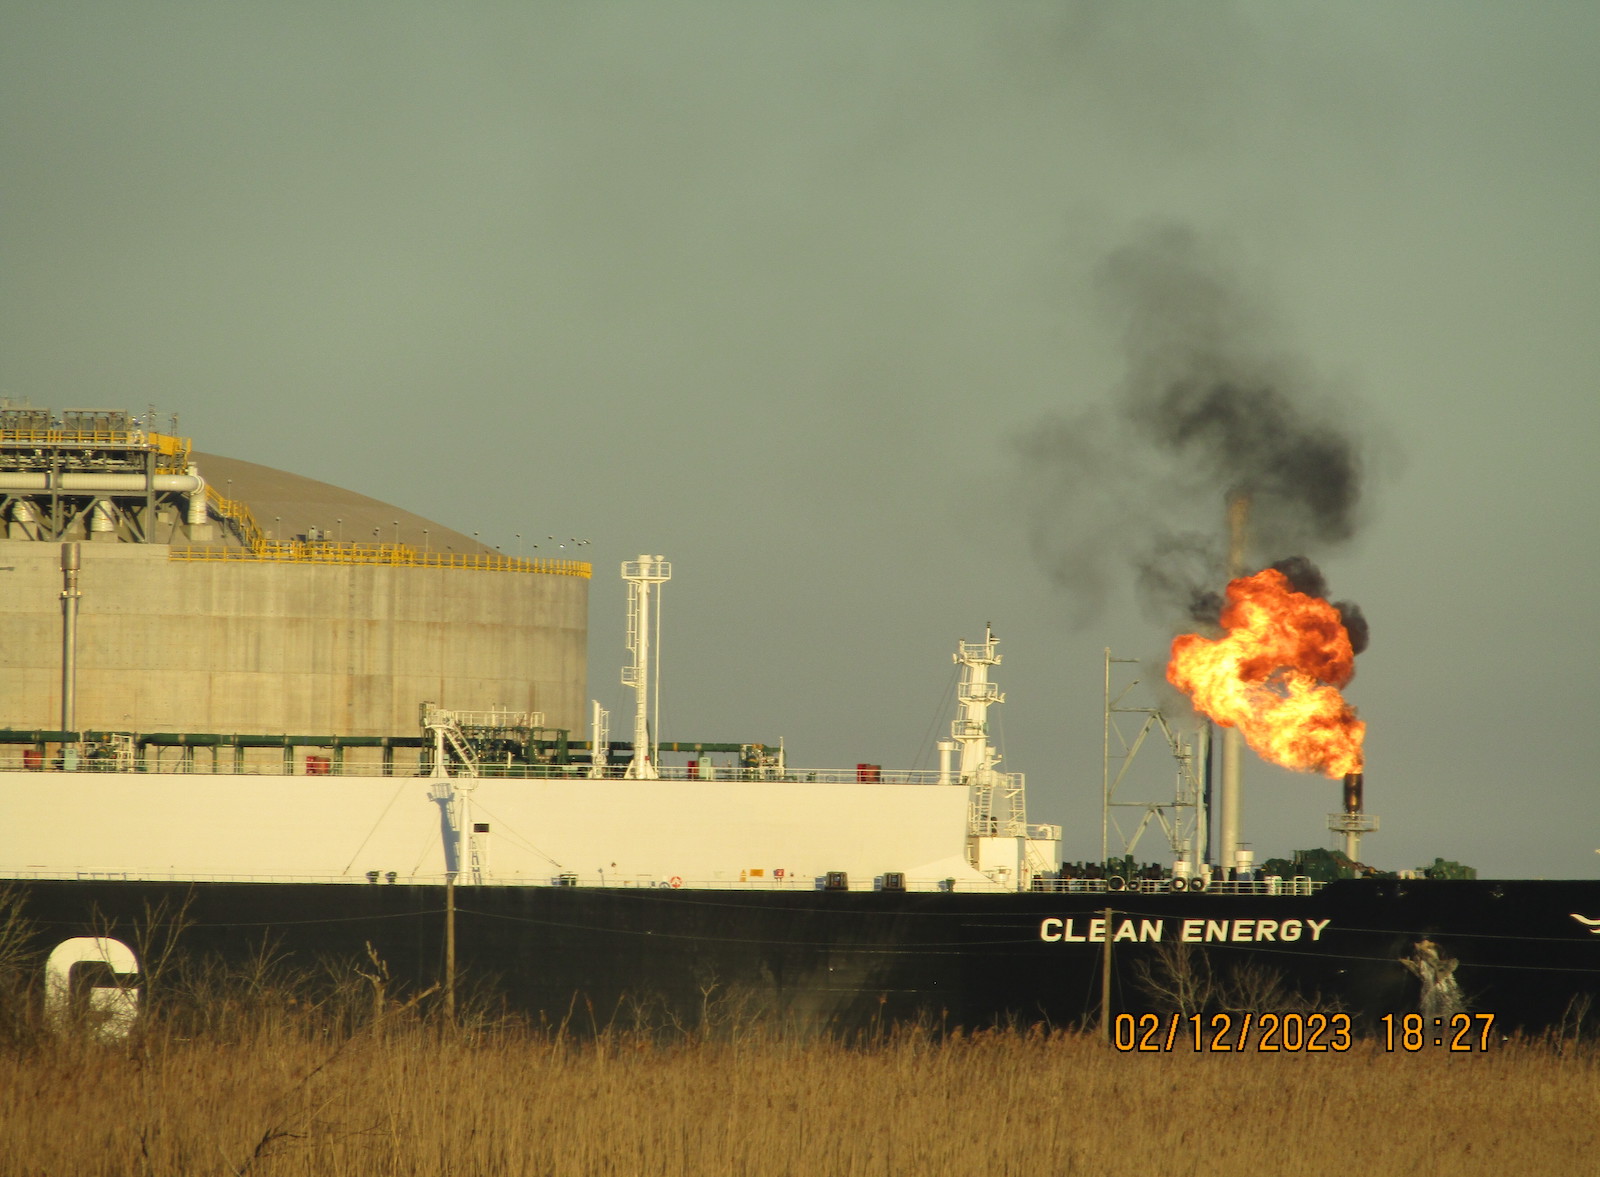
[[259, 547], [333, 553], [175, 449]]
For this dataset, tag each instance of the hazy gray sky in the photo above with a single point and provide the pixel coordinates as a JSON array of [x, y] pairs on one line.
[[821, 302]]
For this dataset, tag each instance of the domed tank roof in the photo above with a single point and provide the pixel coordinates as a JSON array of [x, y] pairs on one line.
[[288, 505]]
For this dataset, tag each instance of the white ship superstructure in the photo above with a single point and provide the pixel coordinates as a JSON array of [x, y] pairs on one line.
[[474, 820]]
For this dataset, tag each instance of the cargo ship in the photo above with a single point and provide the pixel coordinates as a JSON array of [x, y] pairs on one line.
[[818, 900], [595, 882]]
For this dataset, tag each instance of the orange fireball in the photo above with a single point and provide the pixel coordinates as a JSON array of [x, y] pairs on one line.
[[1276, 676]]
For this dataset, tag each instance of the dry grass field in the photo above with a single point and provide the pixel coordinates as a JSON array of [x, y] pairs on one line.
[[286, 1094], [258, 1068]]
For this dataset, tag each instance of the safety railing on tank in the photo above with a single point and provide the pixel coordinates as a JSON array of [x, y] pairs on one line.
[[256, 546]]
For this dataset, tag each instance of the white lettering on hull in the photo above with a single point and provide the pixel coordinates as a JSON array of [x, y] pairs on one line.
[[111, 1010], [1065, 930]]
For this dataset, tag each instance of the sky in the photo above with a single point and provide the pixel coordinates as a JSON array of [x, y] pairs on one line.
[[869, 317]]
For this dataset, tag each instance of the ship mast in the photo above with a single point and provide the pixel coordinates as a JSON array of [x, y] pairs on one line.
[[997, 827], [599, 739], [975, 695], [453, 794], [640, 575]]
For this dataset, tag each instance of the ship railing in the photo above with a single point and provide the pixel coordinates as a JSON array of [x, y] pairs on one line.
[[384, 878], [370, 878], [141, 876], [996, 827], [862, 774], [1269, 885], [763, 882], [746, 881], [500, 719], [214, 758], [115, 760]]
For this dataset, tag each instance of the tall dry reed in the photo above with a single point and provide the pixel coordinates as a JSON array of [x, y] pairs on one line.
[[285, 1095], [271, 1069]]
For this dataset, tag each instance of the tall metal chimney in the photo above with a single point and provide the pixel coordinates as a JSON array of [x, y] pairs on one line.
[[1228, 847], [641, 574], [1352, 823], [1352, 791]]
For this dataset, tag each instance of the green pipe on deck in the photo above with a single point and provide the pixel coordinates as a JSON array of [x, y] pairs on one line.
[[561, 745]]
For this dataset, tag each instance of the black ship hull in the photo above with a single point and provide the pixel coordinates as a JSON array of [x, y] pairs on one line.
[[852, 961]]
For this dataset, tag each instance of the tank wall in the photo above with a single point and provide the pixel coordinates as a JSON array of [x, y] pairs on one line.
[[302, 649]]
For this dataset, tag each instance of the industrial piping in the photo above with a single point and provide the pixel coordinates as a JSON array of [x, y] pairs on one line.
[[1233, 856], [63, 482]]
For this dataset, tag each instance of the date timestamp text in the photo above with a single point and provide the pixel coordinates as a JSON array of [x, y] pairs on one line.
[[1265, 1033], [1314, 1033]]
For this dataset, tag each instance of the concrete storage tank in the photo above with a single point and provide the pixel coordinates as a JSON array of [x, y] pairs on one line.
[[220, 598]]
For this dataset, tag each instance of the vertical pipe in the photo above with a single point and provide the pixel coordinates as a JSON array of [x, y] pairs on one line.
[[640, 575], [1228, 835], [1105, 981], [197, 498], [599, 739], [655, 742], [1353, 788], [1232, 741], [643, 763], [70, 593], [53, 482], [1105, 769], [147, 521], [1202, 831], [450, 947]]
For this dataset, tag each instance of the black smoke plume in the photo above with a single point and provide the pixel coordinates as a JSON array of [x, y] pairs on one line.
[[1205, 606], [1211, 405]]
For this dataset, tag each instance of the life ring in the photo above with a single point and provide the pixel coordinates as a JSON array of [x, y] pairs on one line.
[[1116, 883], [675, 882], [1180, 884]]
